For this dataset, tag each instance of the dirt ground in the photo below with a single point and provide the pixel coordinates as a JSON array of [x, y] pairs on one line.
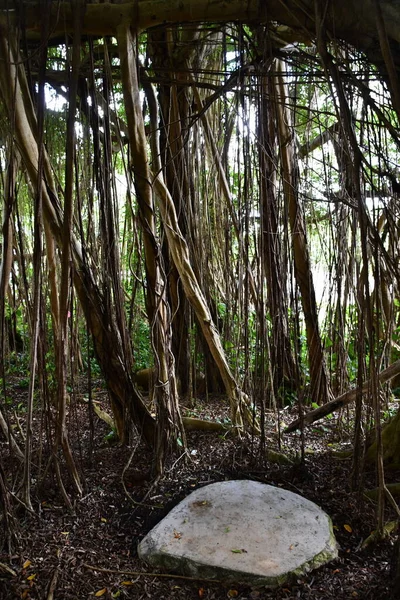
[[56, 554]]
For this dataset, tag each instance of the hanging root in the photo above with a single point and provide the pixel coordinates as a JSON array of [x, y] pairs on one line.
[[246, 412]]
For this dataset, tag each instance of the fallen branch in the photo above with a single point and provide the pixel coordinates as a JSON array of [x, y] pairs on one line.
[[343, 400], [104, 416], [193, 424], [189, 423]]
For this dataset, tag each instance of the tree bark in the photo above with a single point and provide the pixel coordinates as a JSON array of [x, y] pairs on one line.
[[240, 405], [168, 56], [283, 363], [169, 424]]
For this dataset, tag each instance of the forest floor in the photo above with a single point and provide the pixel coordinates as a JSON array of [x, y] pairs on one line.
[[92, 553]]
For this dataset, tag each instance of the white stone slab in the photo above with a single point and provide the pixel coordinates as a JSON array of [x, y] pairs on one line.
[[243, 532]]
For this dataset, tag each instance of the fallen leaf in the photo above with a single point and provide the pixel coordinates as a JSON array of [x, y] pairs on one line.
[[201, 503], [237, 551], [103, 520], [100, 592], [31, 577], [177, 534], [232, 594], [201, 592], [128, 583], [348, 528], [26, 564], [24, 594]]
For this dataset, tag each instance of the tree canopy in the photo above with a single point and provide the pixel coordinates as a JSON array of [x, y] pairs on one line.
[[357, 22]]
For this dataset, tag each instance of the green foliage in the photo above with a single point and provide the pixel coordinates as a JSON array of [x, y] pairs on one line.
[[390, 412], [142, 351], [18, 363], [287, 396], [111, 438], [94, 365]]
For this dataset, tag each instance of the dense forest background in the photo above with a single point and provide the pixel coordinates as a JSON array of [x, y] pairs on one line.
[[199, 209]]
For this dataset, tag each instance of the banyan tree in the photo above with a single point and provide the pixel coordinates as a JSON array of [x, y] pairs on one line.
[[205, 189]]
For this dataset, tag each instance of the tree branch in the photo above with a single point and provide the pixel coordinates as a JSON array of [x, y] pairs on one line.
[[344, 399]]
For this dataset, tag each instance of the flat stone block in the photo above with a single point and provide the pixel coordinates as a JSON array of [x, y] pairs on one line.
[[241, 532]]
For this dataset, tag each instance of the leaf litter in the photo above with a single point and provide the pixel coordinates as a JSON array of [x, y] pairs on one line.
[[92, 553]]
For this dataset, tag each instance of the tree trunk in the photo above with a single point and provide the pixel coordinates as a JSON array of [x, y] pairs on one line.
[[170, 157], [320, 389], [390, 443], [240, 405], [169, 424], [283, 364], [124, 396]]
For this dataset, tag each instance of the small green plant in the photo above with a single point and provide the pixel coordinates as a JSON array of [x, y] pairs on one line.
[[24, 382], [111, 438], [141, 341], [389, 413]]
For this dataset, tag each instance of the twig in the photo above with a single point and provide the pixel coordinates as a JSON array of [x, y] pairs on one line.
[[5, 569], [128, 495], [27, 508], [391, 500], [53, 584], [145, 574], [19, 426]]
